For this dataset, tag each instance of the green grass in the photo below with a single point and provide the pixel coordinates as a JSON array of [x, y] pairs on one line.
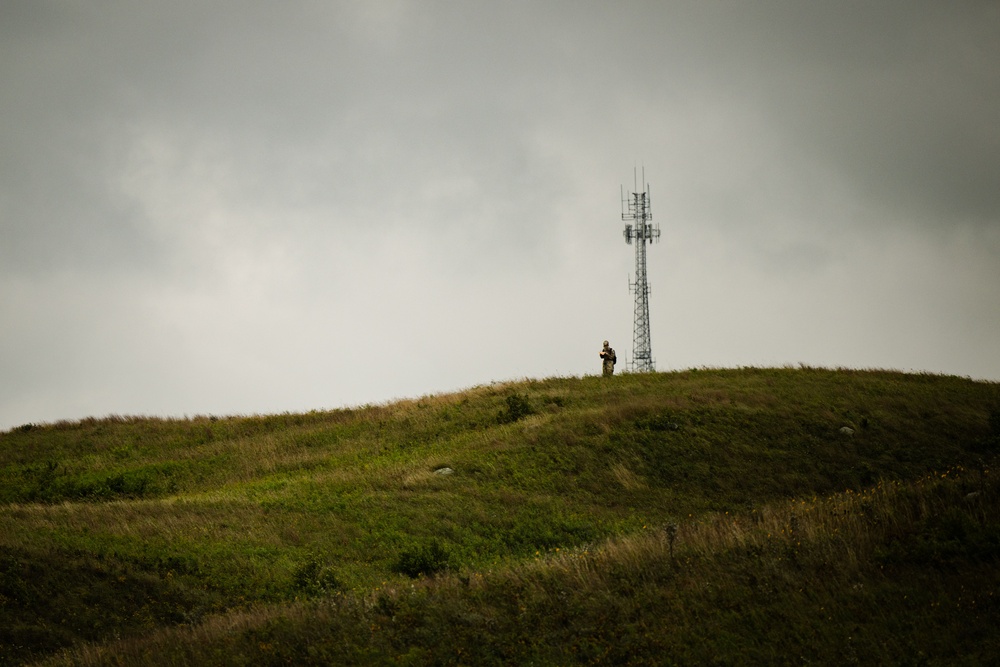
[[328, 537]]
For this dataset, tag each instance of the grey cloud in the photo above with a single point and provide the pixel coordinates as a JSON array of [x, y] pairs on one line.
[[215, 196]]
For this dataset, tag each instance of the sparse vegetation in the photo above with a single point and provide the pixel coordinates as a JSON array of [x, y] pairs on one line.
[[695, 517]]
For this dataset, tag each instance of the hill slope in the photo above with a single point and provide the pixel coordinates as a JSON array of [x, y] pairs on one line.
[[706, 515]]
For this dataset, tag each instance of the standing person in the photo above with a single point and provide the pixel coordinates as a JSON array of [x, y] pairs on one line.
[[608, 355]]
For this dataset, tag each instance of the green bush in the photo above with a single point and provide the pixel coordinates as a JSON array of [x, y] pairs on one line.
[[423, 560], [517, 408], [314, 578]]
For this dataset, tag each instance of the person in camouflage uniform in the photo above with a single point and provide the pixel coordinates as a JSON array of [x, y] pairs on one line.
[[608, 355]]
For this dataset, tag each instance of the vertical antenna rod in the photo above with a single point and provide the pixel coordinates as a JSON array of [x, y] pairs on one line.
[[637, 213]]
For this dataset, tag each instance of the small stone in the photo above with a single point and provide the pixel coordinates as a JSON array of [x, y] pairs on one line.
[[846, 430], [444, 471]]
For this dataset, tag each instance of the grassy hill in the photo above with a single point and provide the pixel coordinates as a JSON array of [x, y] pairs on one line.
[[706, 516]]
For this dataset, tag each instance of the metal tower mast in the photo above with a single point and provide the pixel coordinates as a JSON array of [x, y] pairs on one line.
[[636, 213]]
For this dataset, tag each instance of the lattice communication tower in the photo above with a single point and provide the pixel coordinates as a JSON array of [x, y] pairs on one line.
[[637, 214]]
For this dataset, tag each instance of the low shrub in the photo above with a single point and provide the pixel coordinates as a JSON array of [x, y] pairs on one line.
[[314, 578], [423, 560], [517, 408]]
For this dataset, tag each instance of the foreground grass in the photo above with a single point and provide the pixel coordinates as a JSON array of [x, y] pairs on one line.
[[897, 574], [295, 538]]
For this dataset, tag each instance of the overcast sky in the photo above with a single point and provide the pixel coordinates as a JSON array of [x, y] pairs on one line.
[[257, 207]]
